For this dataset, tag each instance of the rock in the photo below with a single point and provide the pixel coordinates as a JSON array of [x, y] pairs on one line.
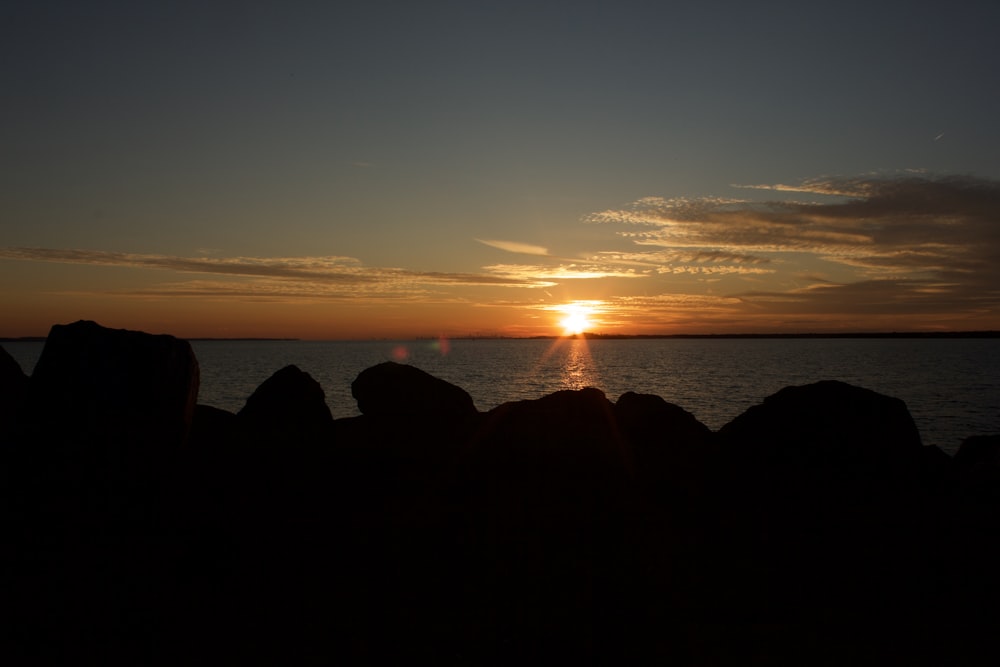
[[668, 441], [576, 423], [289, 406], [13, 390], [650, 420], [977, 463], [398, 390], [211, 427], [559, 446], [105, 385], [519, 535], [979, 450], [827, 424], [549, 486], [12, 378], [825, 478], [827, 449]]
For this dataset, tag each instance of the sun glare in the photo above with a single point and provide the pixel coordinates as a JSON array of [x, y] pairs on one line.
[[576, 319]]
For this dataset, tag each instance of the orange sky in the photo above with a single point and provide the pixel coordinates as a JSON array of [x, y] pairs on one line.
[[399, 169], [909, 253]]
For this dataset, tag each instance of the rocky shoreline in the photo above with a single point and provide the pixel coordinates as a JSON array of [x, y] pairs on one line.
[[140, 527]]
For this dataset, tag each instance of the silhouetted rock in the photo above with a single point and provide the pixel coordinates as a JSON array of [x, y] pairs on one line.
[[97, 384], [829, 430], [549, 553], [107, 412], [561, 529], [211, 427], [398, 390], [13, 391], [12, 378], [648, 419], [977, 466], [827, 454], [567, 437], [668, 441], [289, 406], [979, 450], [830, 478]]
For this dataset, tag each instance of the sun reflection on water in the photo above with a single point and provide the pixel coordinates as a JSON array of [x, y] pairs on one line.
[[572, 363]]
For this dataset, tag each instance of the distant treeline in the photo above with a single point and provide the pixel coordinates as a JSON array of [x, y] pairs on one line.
[[256, 340], [601, 336], [883, 334], [41, 339], [720, 336]]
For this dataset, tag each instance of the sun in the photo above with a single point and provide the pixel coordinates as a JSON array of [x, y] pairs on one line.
[[576, 320]]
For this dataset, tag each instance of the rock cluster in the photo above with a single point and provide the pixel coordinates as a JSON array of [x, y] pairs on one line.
[[141, 528]]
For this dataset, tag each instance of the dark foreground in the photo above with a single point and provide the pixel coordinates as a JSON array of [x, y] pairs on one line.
[[139, 528]]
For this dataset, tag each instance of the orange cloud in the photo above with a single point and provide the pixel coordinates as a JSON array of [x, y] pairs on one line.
[[515, 247]]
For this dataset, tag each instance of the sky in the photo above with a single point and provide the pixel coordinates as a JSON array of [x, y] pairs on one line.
[[331, 170]]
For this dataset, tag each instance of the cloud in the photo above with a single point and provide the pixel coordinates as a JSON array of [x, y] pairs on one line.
[[332, 269], [276, 290], [276, 277], [545, 276], [696, 262], [515, 247], [656, 259], [910, 225], [864, 251], [907, 244]]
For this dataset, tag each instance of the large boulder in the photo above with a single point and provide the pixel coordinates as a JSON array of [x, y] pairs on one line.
[[668, 442], [977, 467], [826, 502], [568, 427], [398, 390], [548, 491], [828, 425], [557, 461], [649, 419], [13, 387], [289, 406], [211, 428], [825, 454], [979, 450], [101, 385]]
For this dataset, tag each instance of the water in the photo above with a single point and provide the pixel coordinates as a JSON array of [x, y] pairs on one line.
[[951, 386]]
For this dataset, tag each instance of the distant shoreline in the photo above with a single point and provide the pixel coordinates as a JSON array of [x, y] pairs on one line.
[[597, 336], [255, 340], [884, 334], [41, 339]]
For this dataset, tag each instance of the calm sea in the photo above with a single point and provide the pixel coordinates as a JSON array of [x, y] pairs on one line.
[[951, 386]]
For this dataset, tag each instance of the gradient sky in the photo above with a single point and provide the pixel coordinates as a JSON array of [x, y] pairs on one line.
[[401, 169]]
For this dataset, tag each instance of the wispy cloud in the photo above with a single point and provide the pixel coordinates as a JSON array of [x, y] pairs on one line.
[[276, 277], [866, 251], [911, 225], [515, 247], [275, 290], [696, 262], [908, 245], [336, 269], [551, 274], [659, 258]]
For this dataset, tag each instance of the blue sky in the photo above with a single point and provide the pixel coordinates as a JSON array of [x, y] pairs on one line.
[[155, 151]]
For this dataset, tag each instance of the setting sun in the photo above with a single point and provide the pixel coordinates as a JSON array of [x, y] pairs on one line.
[[576, 319]]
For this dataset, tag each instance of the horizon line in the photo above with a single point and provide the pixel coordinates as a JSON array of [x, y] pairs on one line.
[[988, 333]]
